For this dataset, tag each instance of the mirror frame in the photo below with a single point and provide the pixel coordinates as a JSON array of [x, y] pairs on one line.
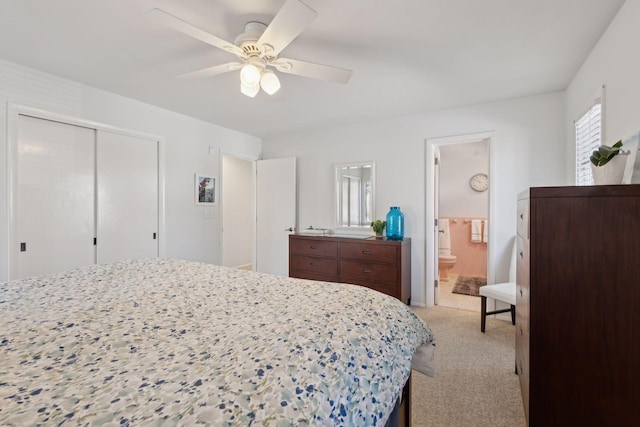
[[337, 184]]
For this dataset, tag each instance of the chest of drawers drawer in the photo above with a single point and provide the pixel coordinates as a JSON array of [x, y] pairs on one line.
[[523, 218], [374, 272], [328, 266], [314, 247], [385, 288], [366, 252]]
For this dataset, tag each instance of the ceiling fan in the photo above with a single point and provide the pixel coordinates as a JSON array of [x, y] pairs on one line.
[[257, 49]]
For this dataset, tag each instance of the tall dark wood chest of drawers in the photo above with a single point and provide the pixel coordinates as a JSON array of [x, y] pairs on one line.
[[380, 264], [578, 305]]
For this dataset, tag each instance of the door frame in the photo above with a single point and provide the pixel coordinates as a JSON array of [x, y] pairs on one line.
[[14, 110], [430, 243]]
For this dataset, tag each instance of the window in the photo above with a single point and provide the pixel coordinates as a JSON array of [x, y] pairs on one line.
[[588, 137]]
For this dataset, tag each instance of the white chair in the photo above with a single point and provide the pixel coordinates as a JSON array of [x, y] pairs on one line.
[[505, 292]]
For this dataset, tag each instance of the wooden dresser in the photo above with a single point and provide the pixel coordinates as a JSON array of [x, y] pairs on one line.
[[578, 305], [380, 264]]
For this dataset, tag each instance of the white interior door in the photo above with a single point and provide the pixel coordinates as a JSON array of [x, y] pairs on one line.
[[53, 212], [237, 212], [276, 209], [127, 199]]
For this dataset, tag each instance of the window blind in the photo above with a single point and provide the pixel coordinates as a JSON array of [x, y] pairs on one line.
[[588, 138]]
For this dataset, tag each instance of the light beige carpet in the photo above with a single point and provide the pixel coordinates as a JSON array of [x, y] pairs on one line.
[[475, 383], [446, 297]]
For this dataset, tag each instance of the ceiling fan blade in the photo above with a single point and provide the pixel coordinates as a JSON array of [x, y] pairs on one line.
[[166, 19], [315, 71], [212, 71], [291, 20]]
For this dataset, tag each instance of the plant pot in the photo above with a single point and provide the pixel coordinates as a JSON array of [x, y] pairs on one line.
[[379, 235], [611, 173]]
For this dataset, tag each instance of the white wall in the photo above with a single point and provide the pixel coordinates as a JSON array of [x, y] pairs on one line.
[[187, 141], [526, 131], [614, 62], [458, 163]]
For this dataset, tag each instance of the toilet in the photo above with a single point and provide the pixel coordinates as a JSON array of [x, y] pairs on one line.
[[446, 262]]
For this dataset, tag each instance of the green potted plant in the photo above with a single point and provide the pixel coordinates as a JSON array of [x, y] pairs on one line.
[[604, 154], [378, 225], [607, 166]]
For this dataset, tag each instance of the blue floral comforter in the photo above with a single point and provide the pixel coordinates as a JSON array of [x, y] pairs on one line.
[[168, 342]]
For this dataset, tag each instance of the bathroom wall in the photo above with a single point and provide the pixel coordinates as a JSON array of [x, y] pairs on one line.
[[472, 257], [458, 202]]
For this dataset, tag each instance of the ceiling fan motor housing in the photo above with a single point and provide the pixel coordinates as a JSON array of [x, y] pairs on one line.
[[247, 41]]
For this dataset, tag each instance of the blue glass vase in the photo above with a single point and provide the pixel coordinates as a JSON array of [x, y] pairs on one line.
[[395, 224]]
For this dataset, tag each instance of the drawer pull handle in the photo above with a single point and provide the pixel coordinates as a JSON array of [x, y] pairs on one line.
[[313, 247], [366, 270], [366, 252], [521, 332], [521, 254], [521, 216], [520, 291], [312, 264]]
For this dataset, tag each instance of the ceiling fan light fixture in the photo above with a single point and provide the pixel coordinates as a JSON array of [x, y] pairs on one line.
[[269, 82], [250, 91], [250, 75]]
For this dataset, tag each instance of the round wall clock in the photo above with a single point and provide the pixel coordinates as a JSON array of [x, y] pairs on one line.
[[479, 182]]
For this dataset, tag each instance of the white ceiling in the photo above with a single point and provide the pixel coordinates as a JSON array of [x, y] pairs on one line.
[[408, 56]]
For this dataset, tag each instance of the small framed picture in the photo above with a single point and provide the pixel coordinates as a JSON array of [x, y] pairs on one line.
[[205, 189]]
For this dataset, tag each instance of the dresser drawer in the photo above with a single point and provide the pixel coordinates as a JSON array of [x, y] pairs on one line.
[[522, 366], [368, 252], [313, 247], [522, 261], [523, 218], [385, 273], [328, 266], [386, 289], [310, 275]]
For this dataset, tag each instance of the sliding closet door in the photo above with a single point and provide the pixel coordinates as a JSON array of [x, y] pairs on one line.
[[52, 211], [127, 199]]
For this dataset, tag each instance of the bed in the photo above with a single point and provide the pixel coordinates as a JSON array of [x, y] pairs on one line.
[[173, 342]]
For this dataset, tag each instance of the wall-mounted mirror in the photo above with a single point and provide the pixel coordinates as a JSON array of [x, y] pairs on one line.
[[355, 194]]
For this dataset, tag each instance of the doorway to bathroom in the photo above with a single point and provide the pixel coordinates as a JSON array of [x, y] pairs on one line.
[[461, 219]]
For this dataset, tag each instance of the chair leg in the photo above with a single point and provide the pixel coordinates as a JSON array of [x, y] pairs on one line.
[[513, 314], [483, 312]]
